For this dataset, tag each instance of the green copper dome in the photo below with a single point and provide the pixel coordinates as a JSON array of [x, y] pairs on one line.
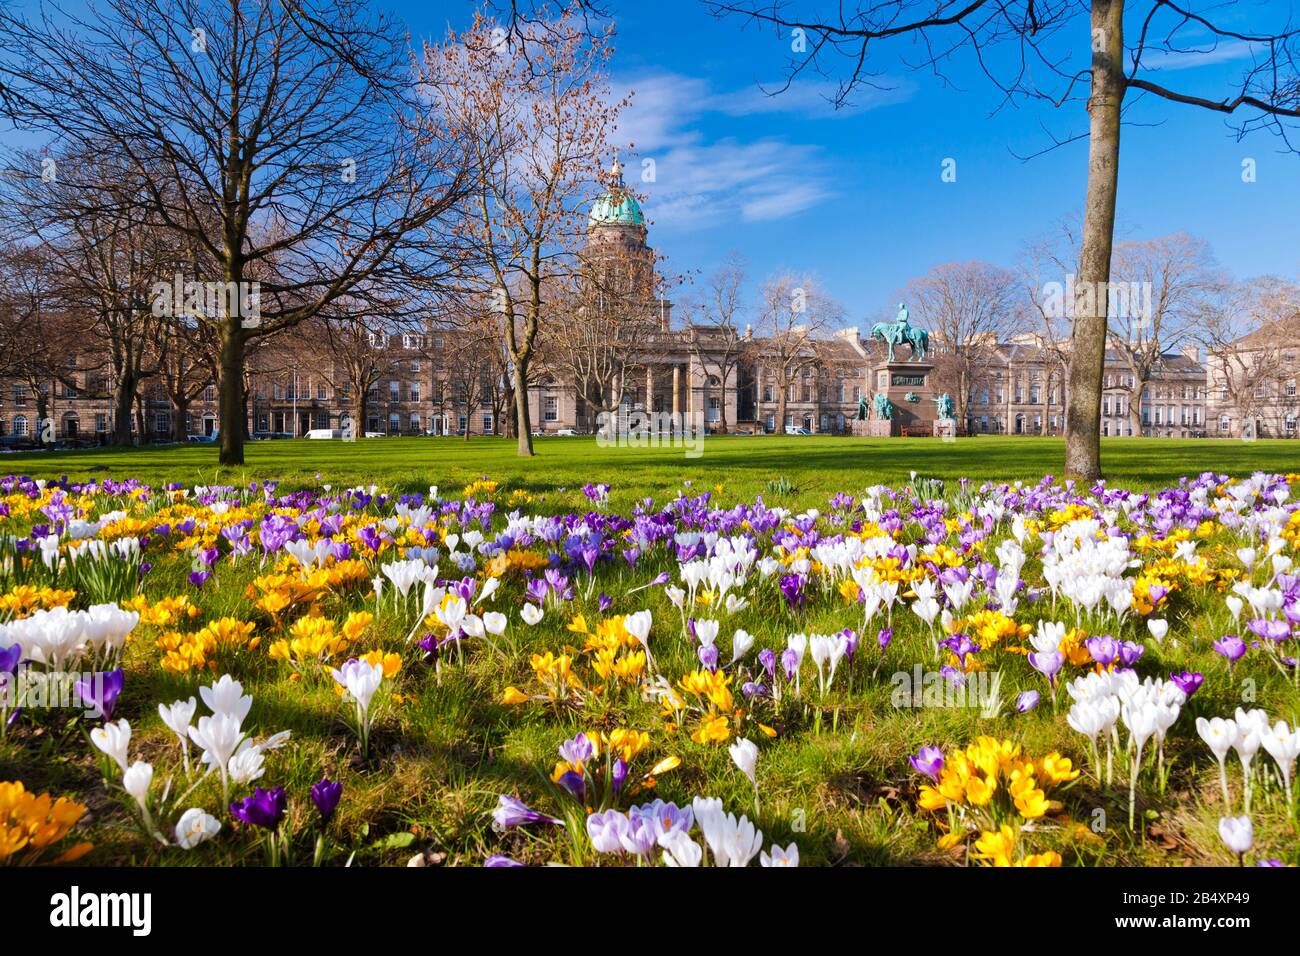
[[617, 206]]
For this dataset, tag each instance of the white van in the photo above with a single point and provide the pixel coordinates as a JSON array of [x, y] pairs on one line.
[[325, 433]]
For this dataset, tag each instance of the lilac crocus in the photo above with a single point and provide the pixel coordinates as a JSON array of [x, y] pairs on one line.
[[1027, 701], [708, 655], [576, 750], [1048, 664], [101, 692], [511, 812], [325, 794], [10, 658], [789, 662], [884, 637], [1130, 652], [265, 808], [766, 659], [927, 761], [606, 831], [1272, 629], [1231, 647], [499, 861], [1103, 648]]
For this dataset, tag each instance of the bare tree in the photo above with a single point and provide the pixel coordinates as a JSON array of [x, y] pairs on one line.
[[536, 115], [1154, 301], [715, 340], [1044, 261], [969, 308], [1249, 331], [793, 314], [279, 122], [1057, 57]]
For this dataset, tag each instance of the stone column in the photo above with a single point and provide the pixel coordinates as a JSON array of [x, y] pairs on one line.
[[650, 396], [677, 397]]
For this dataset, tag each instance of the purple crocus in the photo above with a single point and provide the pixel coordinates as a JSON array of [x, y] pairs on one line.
[[198, 578], [708, 655], [100, 693], [1270, 628], [927, 761], [884, 637], [1130, 652], [1188, 682], [1027, 701], [767, 659], [325, 793], [605, 602], [10, 658], [499, 861], [1232, 647], [265, 808], [511, 812]]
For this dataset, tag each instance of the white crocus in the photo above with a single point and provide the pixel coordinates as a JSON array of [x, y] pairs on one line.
[[1238, 834], [788, 856], [1219, 735], [113, 739], [531, 614], [227, 696], [194, 827], [741, 643], [679, 849], [218, 736]]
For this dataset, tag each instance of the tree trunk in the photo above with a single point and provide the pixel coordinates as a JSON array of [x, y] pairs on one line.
[[1044, 428], [1135, 408], [123, 409], [180, 408], [358, 415], [1088, 352], [232, 405], [522, 423], [780, 408]]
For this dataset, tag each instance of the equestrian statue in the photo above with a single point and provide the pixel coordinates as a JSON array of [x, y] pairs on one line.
[[900, 331]]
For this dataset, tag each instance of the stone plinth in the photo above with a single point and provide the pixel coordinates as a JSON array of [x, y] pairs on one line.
[[897, 380]]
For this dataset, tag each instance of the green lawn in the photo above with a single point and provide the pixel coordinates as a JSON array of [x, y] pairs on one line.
[[835, 778], [817, 466]]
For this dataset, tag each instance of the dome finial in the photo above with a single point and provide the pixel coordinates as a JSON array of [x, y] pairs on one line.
[[616, 170]]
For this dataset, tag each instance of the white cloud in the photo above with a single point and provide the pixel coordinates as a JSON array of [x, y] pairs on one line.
[[703, 180]]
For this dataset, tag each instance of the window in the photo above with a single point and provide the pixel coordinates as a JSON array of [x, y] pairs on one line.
[[415, 366], [1290, 389], [715, 408], [394, 390], [20, 399], [487, 423], [415, 391], [20, 425], [209, 393], [277, 391], [101, 422], [550, 408], [162, 423], [416, 425], [767, 393], [321, 393], [1224, 424], [769, 422], [394, 423]]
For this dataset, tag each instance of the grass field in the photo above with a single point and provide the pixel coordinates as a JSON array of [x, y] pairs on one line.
[[833, 772], [817, 466]]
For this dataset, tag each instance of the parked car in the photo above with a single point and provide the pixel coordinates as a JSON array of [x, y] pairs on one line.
[[325, 433], [792, 430], [566, 433], [203, 439]]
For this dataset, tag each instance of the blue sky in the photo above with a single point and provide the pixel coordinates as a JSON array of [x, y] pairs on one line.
[[856, 197]]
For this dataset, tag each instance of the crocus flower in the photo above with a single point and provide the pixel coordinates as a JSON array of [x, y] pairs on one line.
[[1231, 647], [498, 860], [101, 692], [1027, 701], [511, 812], [927, 761], [884, 637], [265, 808], [325, 794], [1187, 682], [1238, 834], [194, 827]]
